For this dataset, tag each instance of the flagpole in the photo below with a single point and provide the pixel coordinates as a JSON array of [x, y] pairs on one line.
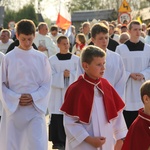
[[59, 6]]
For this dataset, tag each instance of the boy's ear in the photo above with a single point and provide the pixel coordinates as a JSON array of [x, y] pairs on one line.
[[85, 66], [146, 98]]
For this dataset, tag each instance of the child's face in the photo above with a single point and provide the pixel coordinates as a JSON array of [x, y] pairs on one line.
[[96, 68], [64, 46], [25, 41], [101, 40]]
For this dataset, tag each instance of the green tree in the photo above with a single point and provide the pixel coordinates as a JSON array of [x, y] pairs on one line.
[[27, 12], [83, 5], [10, 15]]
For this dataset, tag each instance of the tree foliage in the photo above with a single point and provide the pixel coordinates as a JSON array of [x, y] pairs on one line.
[[27, 12], [83, 5], [9, 16]]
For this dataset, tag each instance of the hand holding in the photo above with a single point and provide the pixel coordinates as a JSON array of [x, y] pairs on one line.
[[25, 100]]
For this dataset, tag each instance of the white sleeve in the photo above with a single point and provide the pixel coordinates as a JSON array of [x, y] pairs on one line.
[[119, 127], [9, 98], [75, 131], [120, 79]]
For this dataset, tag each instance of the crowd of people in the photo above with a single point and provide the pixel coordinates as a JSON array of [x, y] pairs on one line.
[[93, 81]]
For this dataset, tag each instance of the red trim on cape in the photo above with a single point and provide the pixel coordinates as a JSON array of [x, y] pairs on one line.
[[79, 99]]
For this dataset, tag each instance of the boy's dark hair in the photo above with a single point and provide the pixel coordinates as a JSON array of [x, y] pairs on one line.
[[133, 22], [98, 28], [123, 26], [145, 89], [61, 38], [91, 51], [54, 28], [26, 27]]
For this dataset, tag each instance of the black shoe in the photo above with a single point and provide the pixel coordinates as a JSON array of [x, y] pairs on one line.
[[58, 147]]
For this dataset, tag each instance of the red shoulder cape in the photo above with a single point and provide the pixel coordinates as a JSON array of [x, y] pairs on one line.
[[79, 98], [138, 136]]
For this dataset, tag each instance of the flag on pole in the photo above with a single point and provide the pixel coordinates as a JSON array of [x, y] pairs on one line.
[[64, 17]]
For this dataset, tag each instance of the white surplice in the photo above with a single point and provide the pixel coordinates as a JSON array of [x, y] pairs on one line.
[[59, 85], [24, 127], [134, 62], [114, 72], [98, 127]]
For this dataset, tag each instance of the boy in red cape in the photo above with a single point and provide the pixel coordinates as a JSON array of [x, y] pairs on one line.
[[92, 108], [138, 137]]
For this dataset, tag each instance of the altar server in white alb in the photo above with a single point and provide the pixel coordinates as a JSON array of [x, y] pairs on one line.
[[64, 67], [92, 108], [136, 58], [24, 91]]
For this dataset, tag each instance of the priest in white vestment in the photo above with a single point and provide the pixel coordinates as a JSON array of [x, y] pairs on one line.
[[43, 42]]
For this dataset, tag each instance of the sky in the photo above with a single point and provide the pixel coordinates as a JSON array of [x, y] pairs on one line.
[[50, 8]]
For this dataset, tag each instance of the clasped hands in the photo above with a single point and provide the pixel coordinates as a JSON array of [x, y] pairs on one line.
[[25, 100], [137, 76]]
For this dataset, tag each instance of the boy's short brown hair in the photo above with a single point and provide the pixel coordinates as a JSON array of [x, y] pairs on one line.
[[99, 28], [133, 22], [145, 89], [61, 38], [25, 26], [91, 51]]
